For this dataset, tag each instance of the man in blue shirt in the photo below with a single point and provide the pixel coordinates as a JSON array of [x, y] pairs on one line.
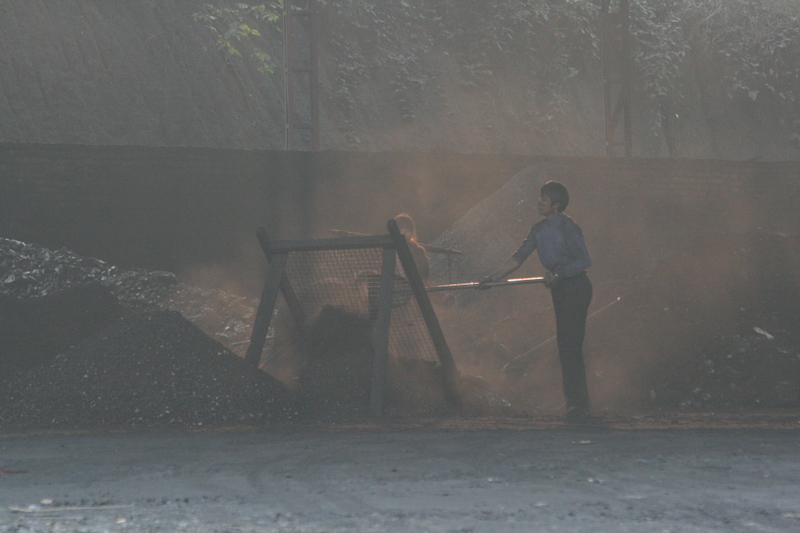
[[563, 252]]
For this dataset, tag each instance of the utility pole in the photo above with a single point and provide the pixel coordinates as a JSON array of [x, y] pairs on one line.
[[301, 81], [617, 77]]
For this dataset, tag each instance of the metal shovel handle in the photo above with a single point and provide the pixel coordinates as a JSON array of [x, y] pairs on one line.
[[476, 284]]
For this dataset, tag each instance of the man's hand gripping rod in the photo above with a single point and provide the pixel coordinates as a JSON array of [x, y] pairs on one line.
[[479, 285]]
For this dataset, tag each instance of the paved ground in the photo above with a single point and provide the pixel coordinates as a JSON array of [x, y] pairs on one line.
[[658, 474]]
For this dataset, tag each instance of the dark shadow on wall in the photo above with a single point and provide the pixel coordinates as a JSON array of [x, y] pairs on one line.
[[178, 209]]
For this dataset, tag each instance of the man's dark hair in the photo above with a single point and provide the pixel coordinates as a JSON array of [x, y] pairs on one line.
[[557, 193]]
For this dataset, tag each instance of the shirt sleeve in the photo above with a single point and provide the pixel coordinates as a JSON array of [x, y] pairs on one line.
[[528, 245]]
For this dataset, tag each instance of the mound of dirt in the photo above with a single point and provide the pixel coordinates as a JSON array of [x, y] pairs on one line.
[[149, 369]]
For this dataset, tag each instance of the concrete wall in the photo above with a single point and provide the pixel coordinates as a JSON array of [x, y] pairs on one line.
[[170, 208]]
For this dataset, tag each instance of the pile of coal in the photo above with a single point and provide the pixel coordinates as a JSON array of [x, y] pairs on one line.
[[34, 330], [89, 345], [29, 270], [147, 369]]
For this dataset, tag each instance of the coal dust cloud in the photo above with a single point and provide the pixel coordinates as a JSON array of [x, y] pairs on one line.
[[695, 300], [684, 286]]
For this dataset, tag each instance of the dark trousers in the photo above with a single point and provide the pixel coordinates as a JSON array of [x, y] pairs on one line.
[[571, 299]]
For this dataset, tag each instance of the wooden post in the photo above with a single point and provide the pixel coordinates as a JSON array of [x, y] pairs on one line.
[[426, 308], [286, 286], [269, 297]]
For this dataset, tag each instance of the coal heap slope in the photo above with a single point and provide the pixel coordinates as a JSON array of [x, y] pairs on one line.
[[29, 271], [97, 346], [33, 330], [148, 369]]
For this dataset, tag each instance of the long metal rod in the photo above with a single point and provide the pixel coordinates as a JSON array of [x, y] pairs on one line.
[[477, 285], [551, 339]]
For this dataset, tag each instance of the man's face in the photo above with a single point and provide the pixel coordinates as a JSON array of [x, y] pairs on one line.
[[546, 206]]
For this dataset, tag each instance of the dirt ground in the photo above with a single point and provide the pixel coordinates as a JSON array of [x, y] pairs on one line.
[[686, 474]]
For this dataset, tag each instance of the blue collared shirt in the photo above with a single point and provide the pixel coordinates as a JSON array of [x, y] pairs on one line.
[[561, 246]]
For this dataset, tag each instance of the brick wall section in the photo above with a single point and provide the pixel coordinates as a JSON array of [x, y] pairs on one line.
[[158, 207]]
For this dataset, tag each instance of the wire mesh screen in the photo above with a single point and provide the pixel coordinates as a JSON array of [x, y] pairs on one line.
[[350, 279]]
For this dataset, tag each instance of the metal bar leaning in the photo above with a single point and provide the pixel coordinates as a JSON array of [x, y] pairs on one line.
[[476, 284]]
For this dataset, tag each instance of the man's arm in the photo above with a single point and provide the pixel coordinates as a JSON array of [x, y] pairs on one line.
[[516, 259], [504, 270]]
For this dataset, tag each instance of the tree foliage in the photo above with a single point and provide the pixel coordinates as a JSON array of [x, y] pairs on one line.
[[539, 42], [240, 22], [751, 48]]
